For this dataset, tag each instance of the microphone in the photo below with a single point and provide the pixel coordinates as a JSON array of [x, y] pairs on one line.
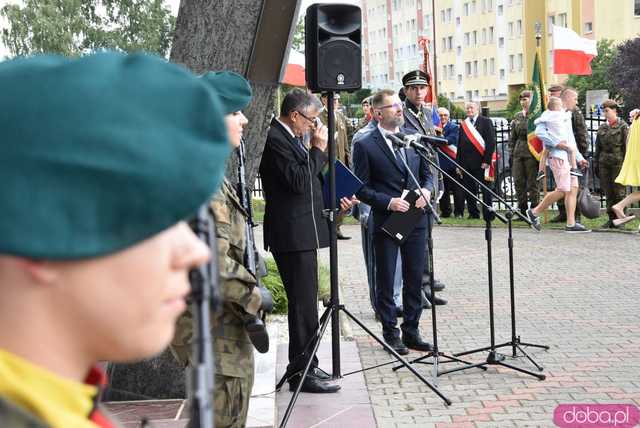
[[417, 141]]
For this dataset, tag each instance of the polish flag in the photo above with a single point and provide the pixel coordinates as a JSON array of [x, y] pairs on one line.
[[572, 54]]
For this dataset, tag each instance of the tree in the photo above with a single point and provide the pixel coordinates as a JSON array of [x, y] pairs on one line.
[[297, 42], [624, 72], [73, 27], [600, 77]]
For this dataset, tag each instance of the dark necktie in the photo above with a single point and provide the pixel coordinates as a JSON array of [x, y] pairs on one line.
[[300, 146], [472, 122]]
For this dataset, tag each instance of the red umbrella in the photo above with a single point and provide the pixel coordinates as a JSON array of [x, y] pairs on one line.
[[294, 73]]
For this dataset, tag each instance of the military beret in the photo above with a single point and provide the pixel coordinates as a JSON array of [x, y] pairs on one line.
[[415, 77], [232, 89], [101, 152]]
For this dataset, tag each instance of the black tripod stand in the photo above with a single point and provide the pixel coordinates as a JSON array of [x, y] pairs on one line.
[[493, 358], [331, 313], [436, 354]]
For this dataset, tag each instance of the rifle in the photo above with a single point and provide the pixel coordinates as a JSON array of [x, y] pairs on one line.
[[255, 325], [204, 297]]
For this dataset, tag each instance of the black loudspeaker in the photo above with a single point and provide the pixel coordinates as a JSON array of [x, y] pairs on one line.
[[333, 53]]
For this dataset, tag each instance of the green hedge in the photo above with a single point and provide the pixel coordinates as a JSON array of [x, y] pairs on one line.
[[274, 284]]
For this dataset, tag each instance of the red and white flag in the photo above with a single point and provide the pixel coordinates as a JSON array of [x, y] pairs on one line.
[[572, 54]]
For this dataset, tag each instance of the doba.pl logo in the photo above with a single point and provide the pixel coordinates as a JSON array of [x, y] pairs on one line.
[[596, 415]]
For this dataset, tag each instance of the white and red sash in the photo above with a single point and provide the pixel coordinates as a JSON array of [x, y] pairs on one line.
[[450, 150], [478, 142]]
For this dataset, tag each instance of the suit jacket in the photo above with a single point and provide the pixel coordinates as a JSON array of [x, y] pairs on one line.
[[451, 132], [468, 156], [375, 164], [292, 185]]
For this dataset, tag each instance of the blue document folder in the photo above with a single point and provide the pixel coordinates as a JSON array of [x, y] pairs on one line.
[[347, 184]]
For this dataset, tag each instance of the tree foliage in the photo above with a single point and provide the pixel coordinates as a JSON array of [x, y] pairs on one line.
[[624, 72], [297, 42], [600, 77], [72, 27]]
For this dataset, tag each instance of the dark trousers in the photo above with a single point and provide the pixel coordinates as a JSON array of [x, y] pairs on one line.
[[613, 191], [386, 253], [525, 171], [299, 274], [472, 186], [458, 197]]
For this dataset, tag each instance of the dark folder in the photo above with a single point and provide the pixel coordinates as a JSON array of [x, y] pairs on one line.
[[347, 184], [400, 225]]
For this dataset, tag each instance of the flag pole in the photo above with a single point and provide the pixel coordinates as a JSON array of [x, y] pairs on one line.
[[538, 27]]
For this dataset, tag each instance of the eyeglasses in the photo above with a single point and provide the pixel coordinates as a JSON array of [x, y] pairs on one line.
[[313, 121], [394, 105]]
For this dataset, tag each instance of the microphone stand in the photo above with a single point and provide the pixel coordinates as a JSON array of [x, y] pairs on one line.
[[431, 215], [493, 358]]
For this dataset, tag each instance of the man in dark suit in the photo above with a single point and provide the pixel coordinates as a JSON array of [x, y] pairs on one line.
[[451, 132], [294, 227], [476, 154], [385, 178]]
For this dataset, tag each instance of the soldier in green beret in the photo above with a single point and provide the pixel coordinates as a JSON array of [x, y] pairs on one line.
[[611, 146], [241, 298], [94, 247]]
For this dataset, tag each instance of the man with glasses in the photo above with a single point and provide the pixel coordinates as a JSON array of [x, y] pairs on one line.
[[450, 131], [379, 165], [294, 228]]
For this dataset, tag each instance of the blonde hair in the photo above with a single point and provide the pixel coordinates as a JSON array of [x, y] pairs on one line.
[[554, 103]]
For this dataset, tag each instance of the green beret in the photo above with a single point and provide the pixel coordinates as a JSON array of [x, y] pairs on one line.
[[102, 152], [233, 90]]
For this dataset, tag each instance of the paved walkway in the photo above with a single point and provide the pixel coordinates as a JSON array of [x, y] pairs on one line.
[[578, 294]]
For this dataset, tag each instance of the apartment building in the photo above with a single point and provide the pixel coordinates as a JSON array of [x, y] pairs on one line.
[[484, 48]]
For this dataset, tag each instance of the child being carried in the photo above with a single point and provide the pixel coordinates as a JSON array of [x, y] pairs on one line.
[[554, 119]]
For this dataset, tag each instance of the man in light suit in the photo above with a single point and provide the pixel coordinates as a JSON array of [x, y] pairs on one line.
[[385, 177]]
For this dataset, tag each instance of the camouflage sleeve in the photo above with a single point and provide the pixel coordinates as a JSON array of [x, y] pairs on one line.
[[580, 132], [513, 136], [236, 281]]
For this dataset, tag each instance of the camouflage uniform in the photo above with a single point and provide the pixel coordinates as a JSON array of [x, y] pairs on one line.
[[611, 144], [525, 167], [233, 352], [579, 127]]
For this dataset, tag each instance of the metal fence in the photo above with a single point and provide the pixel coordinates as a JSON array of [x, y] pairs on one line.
[[504, 184]]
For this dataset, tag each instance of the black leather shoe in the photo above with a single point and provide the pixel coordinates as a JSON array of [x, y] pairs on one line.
[[426, 304], [318, 373], [339, 235], [313, 385], [397, 345], [414, 341], [438, 285], [438, 301]]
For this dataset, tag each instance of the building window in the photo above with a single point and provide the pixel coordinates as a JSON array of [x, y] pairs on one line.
[[459, 50], [500, 10], [476, 94], [501, 42], [444, 72], [466, 39], [519, 28], [449, 15], [450, 42], [413, 25], [484, 67], [489, 5], [442, 15], [452, 71], [636, 8], [484, 6], [490, 34], [520, 63], [486, 93], [444, 43], [551, 21], [492, 66], [469, 95], [427, 21], [484, 36], [457, 21], [550, 58], [467, 68], [475, 38], [475, 68], [493, 92], [502, 74], [459, 79], [562, 20], [588, 27], [452, 95], [511, 63], [473, 7], [510, 25], [465, 8]]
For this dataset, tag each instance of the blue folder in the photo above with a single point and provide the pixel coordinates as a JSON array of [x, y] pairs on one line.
[[347, 184]]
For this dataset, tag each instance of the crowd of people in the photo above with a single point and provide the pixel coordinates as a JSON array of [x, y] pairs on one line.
[[98, 225]]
